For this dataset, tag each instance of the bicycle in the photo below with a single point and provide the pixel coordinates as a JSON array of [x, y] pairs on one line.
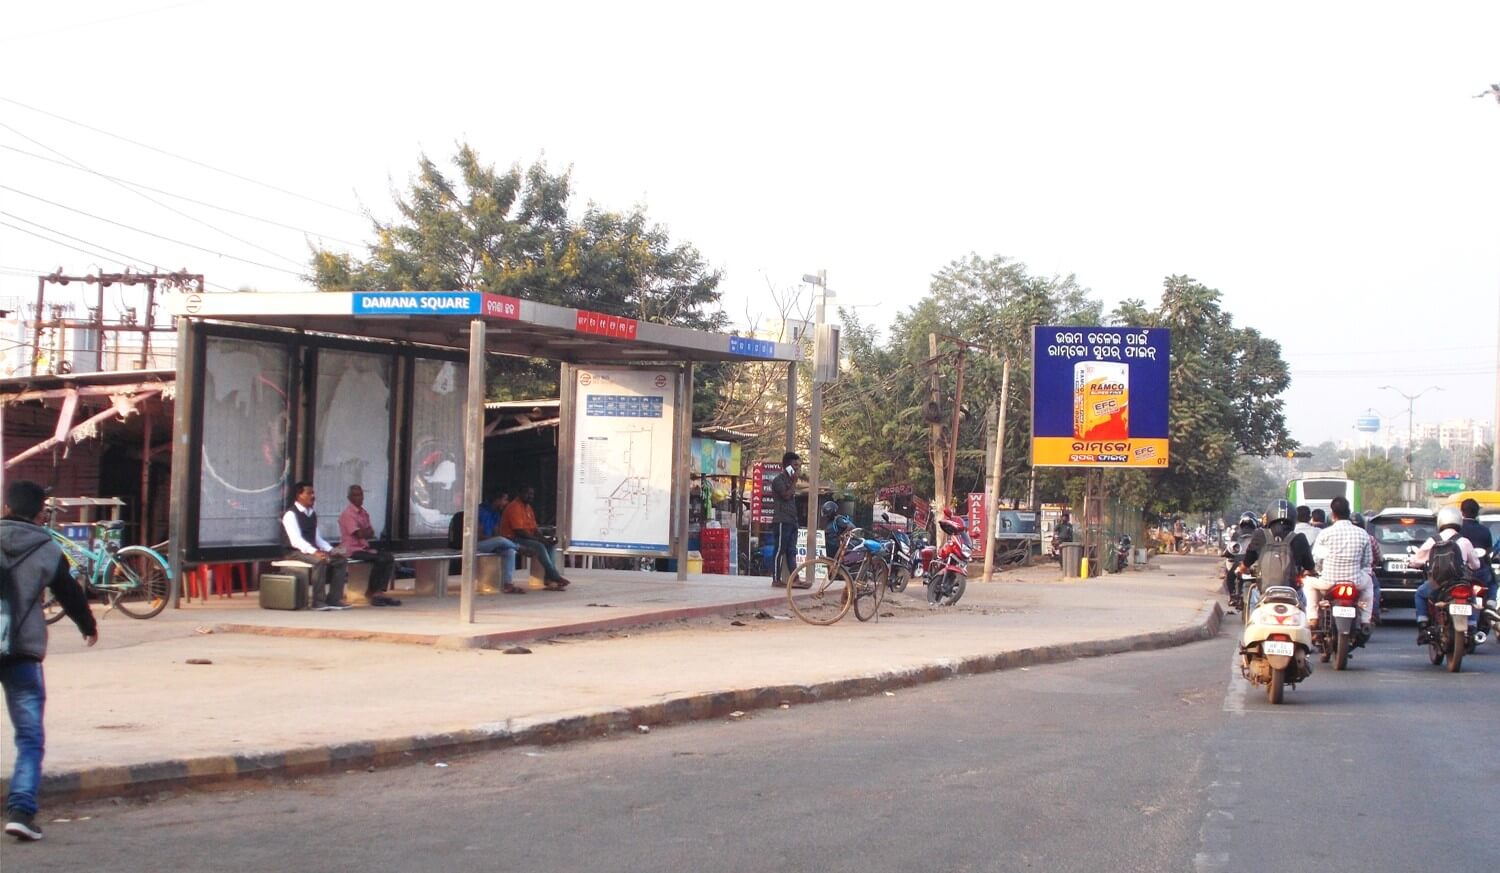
[[834, 590], [137, 579]]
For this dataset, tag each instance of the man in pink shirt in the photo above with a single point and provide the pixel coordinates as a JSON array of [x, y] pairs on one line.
[[355, 532]]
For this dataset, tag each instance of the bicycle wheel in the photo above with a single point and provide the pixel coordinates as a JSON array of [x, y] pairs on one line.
[[869, 589], [51, 609], [139, 581], [829, 597]]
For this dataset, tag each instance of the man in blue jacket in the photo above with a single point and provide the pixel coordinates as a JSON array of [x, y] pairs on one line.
[[33, 563]]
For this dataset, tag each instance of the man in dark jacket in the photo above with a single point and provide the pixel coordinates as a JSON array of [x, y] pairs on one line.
[[34, 563], [1479, 537], [784, 489]]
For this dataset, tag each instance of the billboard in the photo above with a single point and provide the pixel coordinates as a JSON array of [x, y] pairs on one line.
[[622, 460], [1099, 396]]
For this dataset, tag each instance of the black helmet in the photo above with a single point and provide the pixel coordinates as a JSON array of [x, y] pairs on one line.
[[830, 508], [1358, 519], [1279, 510], [1248, 519]]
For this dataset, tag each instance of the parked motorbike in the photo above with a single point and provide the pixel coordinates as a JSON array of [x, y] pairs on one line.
[[948, 572], [1122, 553], [1448, 634], [1338, 631], [1275, 643]]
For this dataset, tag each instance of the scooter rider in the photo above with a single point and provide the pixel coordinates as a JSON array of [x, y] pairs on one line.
[[1243, 532], [1278, 525], [1344, 555], [1449, 520]]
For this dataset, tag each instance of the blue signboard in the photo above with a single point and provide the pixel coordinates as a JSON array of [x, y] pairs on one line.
[[1367, 424], [417, 303], [739, 345], [1099, 396]]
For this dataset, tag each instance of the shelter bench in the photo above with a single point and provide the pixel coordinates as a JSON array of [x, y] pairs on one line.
[[431, 566]]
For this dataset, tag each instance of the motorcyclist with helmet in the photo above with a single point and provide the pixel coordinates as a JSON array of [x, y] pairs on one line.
[[1243, 532], [1278, 525], [1449, 522]]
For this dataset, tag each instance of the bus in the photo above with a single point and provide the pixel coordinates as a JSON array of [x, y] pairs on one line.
[[1489, 501], [1317, 490]]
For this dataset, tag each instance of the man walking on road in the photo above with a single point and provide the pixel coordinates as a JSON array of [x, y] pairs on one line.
[[784, 489], [32, 562]]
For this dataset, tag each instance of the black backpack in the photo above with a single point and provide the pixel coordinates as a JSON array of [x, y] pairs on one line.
[[1445, 563], [1275, 563]]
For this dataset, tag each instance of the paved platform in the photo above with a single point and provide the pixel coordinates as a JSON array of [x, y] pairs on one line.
[[173, 701]]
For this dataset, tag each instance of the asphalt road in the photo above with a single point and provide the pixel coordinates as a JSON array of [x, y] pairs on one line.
[[1161, 761]]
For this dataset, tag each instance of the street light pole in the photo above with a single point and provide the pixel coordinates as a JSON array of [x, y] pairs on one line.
[[1494, 91], [1411, 400]]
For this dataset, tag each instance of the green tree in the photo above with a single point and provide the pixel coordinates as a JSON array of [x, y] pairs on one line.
[[1225, 387], [1254, 487], [509, 232], [1379, 482]]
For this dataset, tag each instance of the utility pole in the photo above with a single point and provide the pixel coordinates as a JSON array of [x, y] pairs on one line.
[[992, 496], [815, 416], [935, 446], [1494, 91]]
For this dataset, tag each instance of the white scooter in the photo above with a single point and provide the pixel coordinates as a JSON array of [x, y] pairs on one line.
[[1276, 642]]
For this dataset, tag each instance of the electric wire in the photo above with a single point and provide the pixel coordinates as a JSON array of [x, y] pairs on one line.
[[152, 233], [231, 173], [132, 262], [130, 258], [271, 221], [151, 199]]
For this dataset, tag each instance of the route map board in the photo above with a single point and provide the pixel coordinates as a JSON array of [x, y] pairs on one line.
[[622, 460], [1099, 396]]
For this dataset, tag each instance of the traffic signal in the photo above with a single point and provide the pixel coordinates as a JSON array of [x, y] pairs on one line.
[[1298, 454]]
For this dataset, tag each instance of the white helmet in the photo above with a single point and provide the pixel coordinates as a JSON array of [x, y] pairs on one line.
[[1449, 516]]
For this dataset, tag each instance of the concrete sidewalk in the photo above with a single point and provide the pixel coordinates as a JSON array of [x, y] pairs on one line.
[[162, 703]]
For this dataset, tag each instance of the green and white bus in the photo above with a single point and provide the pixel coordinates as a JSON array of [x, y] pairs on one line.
[[1317, 490]]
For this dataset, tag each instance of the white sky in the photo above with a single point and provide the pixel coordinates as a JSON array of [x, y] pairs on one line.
[[1324, 165]]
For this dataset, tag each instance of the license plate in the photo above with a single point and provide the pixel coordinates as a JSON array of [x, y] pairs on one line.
[[1344, 612], [1396, 566], [1278, 647], [1460, 609]]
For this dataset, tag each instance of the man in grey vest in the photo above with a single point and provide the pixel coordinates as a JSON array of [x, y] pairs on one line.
[[299, 528]]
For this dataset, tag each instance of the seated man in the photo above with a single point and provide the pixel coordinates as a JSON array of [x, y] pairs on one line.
[[355, 534], [491, 541], [518, 524], [299, 534]]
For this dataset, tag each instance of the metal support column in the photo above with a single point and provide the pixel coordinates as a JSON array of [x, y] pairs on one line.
[[184, 453], [791, 407], [682, 445], [473, 471]]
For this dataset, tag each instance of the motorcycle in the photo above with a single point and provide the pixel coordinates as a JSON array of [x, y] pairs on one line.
[[948, 572], [1489, 616], [1122, 553], [1448, 611], [1338, 631], [1247, 594], [1275, 643]]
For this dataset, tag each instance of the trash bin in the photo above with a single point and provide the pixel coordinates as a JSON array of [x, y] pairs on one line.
[[1072, 559]]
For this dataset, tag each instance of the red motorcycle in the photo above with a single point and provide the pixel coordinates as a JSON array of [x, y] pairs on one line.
[[1338, 631], [1448, 634], [947, 572]]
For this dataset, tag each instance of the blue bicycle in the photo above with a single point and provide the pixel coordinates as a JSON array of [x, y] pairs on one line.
[[137, 579]]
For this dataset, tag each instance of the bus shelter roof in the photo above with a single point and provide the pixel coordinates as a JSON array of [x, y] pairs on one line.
[[513, 326]]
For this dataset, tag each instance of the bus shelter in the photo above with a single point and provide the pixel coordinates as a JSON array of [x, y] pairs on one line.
[[387, 390]]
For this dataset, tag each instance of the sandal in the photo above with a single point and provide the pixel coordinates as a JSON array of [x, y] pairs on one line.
[[555, 584], [512, 589]]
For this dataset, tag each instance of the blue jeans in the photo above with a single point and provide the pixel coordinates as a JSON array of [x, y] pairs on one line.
[[538, 549], [507, 552], [1422, 598], [25, 698]]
